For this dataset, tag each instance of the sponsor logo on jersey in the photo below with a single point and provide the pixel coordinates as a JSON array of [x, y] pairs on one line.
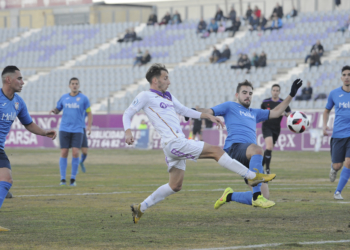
[[78, 98], [72, 105], [16, 105], [4, 104], [9, 116], [164, 105], [247, 114], [341, 95], [345, 105]]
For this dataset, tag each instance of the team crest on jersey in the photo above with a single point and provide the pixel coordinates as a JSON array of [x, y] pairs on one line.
[[16, 105], [78, 98], [135, 102]]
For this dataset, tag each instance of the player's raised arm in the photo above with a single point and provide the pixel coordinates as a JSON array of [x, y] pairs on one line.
[[278, 111]]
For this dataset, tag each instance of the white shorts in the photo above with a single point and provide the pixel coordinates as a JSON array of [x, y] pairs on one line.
[[179, 150]]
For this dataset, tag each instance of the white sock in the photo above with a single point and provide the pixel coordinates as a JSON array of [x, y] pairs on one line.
[[231, 164], [157, 196]]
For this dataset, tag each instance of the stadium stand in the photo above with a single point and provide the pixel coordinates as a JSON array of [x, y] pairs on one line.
[[8, 33]]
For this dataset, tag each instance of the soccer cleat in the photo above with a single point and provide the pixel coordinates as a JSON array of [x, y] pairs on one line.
[[261, 201], [338, 196], [260, 178], [73, 183], [2, 229], [63, 182], [9, 195], [82, 167], [222, 199], [136, 212], [332, 175]]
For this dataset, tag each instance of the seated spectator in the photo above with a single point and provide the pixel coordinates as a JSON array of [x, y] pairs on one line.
[[235, 26], [318, 48], [262, 22], [152, 20], [254, 23], [202, 26], [243, 63], [138, 57], [146, 58], [293, 13], [315, 59], [213, 26], [221, 28], [262, 60], [306, 93], [176, 19], [276, 23], [225, 55], [219, 15], [277, 10], [257, 12], [165, 19], [133, 35], [215, 55], [255, 60], [248, 14], [127, 37], [346, 26], [232, 16]]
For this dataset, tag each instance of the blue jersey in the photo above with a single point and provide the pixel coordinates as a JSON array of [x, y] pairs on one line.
[[240, 122], [9, 110], [74, 109], [341, 102]]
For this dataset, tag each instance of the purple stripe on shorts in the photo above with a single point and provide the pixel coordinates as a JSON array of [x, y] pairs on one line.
[[180, 154]]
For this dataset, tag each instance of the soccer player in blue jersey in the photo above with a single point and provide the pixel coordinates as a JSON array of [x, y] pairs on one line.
[[12, 106], [339, 98], [71, 131], [84, 145], [240, 143]]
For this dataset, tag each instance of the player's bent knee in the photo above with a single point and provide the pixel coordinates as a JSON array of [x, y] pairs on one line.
[[337, 166], [176, 188], [259, 151]]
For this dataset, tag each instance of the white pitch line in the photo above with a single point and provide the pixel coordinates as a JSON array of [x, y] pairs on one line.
[[276, 245]]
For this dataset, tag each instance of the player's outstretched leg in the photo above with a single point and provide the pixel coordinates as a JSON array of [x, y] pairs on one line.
[[343, 179]]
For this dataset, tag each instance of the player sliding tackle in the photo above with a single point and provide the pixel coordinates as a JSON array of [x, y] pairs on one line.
[[161, 108], [12, 106], [240, 143]]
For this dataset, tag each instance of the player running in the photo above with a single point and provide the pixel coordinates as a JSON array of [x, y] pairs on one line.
[[240, 143], [12, 106], [340, 142], [272, 127], [161, 108], [74, 106]]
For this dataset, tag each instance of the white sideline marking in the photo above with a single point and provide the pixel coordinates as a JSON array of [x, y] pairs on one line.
[[275, 245]]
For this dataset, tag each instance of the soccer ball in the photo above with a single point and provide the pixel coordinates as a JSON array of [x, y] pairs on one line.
[[297, 122]]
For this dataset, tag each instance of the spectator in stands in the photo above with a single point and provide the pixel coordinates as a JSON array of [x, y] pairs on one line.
[[235, 26], [128, 37], [176, 19], [165, 19], [138, 57], [146, 58], [254, 23], [213, 26], [262, 22], [215, 55], [133, 35], [306, 93], [152, 20], [276, 23], [219, 15], [243, 63], [257, 12], [346, 26], [248, 14], [262, 60], [232, 16], [315, 59], [221, 28], [202, 26], [318, 48], [225, 55], [293, 13], [255, 60], [277, 10]]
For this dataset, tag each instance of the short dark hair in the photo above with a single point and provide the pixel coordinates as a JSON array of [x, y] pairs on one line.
[[347, 67], [276, 85], [155, 71], [9, 69], [74, 78], [245, 83]]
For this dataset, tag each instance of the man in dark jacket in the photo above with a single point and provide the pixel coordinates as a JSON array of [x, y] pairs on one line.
[[232, 15], [316, 47], [152, 19], [215, 55], [219, 15], [315, 59], [243, 63], [202, 26], [225, 55], [165, 19], [278, 10], [235, 26], [262, 60], [146, 58]]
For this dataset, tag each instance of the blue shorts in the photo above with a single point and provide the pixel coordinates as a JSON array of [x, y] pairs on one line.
[[238, 151], [85, 140], [70, 140], [4, 161], [340, 149]]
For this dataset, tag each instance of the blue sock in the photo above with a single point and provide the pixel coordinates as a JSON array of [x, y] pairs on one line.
[[63, 168], [75, 165], [242, 197], [256, 162], [83, 157], [343, 179], [4, 188]]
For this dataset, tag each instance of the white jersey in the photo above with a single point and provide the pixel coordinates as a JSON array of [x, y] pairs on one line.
[[161, 109]]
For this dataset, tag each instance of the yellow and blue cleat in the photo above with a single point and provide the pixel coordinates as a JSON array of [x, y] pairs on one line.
[[136, 212], [261, 201], [223, 198], [259, 178], [2, 229]]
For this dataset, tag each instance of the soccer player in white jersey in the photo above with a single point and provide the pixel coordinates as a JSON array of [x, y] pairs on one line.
[[161, 108]]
